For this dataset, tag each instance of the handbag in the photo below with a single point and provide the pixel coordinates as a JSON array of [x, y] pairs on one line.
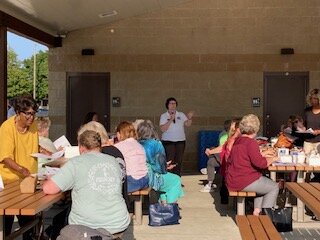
[[281, 218], [163, 214], [283, 142]]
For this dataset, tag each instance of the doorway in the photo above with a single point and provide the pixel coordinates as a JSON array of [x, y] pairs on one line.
[[284, 95], [87, 92]]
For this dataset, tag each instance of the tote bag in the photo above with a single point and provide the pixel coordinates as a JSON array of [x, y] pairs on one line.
[[281, 218], [163, 214]]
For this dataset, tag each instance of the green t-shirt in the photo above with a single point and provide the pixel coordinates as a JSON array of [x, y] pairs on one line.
[[223, 138], [96, 183]]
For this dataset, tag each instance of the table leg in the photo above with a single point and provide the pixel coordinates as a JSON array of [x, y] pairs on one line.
[[300, 177], [300, 204], [273, 176], [1, 227]]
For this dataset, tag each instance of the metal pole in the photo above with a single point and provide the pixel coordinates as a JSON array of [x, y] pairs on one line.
[[34, 71]]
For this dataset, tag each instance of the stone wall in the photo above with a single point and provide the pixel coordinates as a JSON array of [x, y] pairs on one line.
[[209, 54]]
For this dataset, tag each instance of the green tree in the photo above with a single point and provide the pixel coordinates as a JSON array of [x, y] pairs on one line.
[[18, 83], [41, 69]]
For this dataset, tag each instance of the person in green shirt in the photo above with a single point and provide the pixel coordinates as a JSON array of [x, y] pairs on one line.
[[214, 158], [95, 181]]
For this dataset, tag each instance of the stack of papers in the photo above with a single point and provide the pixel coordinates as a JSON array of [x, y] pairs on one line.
[[61, 142]]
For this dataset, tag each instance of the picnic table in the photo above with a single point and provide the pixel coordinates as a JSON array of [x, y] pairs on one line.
[[13, 202]]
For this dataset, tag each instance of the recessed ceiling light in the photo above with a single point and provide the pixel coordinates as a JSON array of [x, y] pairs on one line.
[[108, 14]]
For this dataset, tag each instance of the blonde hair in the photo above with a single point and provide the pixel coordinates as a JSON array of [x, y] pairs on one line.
[[89, 139], [312, 92], [43, 123], [97, 127], [126, 130], [249, 124]]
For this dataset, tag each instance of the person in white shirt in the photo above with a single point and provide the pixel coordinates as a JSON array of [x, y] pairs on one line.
[[173, 138]]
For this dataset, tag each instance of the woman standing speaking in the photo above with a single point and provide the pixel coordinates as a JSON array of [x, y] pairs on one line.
[[173, 138]]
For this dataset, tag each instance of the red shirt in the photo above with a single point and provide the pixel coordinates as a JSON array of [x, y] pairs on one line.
[[244, 164]]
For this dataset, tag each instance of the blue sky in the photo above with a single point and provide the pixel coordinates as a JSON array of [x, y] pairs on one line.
[[23, 46]]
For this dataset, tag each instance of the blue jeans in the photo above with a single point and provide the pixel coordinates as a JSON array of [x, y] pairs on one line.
[[137, 184]]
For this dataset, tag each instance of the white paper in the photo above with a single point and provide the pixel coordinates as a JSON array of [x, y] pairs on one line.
[[41, 176], [61, 142], [71, 152], [309, 130], [53, 156], [52, 170], [1, 184]]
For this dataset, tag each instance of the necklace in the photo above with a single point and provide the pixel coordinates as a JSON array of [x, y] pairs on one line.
[[24, 129]]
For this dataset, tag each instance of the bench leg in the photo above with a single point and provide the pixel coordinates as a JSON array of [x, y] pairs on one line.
[[241, 206], [1, 228], [138, 210]]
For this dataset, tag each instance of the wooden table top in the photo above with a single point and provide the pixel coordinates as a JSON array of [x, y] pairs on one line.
[[294, 167], [13, 202]]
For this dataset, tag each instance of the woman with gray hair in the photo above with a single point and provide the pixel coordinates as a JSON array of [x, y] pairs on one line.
[[245, 165], [167, 183]]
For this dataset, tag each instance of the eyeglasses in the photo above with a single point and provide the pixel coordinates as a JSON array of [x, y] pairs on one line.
[[29, 114]]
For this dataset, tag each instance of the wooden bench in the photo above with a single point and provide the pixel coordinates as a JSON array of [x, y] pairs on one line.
[[308, 193], [257, 228], [137, 197], [241, 196]]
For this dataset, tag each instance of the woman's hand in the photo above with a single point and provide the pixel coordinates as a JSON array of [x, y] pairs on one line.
[[269, 152], [24, 171], [207, 152], [170, 165], [316, 132], [190, 115]]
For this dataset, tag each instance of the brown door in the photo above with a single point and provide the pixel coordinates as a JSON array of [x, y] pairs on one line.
[[87, 92], [284, 95]]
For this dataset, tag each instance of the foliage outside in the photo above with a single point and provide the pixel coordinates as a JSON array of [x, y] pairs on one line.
[[20, 75]]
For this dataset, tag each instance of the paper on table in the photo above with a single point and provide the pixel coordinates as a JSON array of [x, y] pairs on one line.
[[282, 164], [41, 176], [53, 156], [62, 142]]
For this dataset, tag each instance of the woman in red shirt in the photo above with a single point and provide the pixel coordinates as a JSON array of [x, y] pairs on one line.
[[245, 164]]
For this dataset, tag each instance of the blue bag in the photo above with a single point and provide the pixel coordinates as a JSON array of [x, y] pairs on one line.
[[163, 214]]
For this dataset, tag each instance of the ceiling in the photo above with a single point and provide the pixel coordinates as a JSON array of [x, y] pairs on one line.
[[58, 17]]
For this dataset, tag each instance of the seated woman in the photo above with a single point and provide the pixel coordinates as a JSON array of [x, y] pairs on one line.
[[95, 182], [245, 164], [167, 183], [134, 157]]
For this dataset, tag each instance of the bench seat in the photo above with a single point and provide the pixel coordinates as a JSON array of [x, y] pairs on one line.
[[241, 196], [137, 197], [257, 228]]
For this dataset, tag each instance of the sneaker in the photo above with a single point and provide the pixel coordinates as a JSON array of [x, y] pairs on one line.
[[203, 171], [208, 188]]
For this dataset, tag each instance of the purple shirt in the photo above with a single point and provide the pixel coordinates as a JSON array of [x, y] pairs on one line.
[[244, 164]]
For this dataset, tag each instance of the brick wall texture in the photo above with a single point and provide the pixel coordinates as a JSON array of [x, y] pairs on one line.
[[209, 54]]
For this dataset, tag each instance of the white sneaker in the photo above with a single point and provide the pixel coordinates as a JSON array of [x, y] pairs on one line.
[[208, 188], [203, 171]]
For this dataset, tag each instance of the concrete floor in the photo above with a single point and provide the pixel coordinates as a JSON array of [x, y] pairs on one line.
[[201, 218]]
